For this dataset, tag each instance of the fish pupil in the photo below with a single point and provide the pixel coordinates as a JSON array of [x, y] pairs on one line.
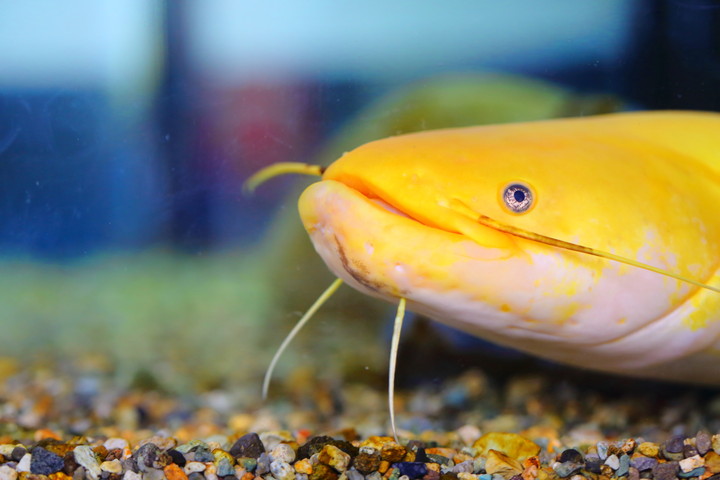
[[519, 196]]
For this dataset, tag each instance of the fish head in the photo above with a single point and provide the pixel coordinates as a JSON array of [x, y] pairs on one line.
[[402, 217]]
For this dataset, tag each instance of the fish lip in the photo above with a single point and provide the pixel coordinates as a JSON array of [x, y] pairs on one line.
[[384, 202], [390, 208], [425, 206], [375, 195]]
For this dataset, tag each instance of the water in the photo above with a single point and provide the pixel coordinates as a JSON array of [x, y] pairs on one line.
[[127, 129]]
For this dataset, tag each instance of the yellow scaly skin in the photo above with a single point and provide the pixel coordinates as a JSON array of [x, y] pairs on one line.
[[399, 218]]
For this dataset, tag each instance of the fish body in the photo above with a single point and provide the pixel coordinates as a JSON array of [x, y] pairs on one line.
[[401, 218]]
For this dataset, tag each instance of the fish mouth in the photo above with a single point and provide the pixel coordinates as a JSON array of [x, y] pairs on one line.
[[424, 203], [386, 206], [374, 243]]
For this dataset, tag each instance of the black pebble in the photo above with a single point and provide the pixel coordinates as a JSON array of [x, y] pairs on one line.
[[69, 464], [17, 453], [316, 444], [419, 449], [571, 455], [177, 457], [43, 462], [689, 451], [643, 463], [248, 446], [414, 445], [665, 471], [313, 446], [421, 456], [593, 465], [367, 463], [412, 469], [674, 444]]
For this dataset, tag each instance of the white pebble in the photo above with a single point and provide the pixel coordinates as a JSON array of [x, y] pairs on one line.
[[24, 463], [7, 473], [612, 461], [283, 453], [85, 457], [691, 463], [115, 442], [193, 467], [130, 475], [468, 434], [282, 470], [6, 449], [270, 440], [153, 474], [213, 445]]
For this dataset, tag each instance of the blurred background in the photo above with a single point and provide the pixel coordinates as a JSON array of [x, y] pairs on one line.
[[128, 126]]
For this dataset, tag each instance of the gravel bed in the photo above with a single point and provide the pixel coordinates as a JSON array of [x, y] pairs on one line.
[[66, 423]]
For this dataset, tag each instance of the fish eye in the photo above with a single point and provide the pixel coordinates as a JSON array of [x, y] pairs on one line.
[[518, 198]]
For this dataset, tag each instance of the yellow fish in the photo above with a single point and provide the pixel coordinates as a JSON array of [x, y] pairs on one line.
[[592, 241]]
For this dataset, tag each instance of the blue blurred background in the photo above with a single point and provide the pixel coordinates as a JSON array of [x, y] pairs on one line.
[[128, 123], [128, 127]]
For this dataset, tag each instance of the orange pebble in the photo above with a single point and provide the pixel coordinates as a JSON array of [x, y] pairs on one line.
[[59, 476], [44, 433], [303, 466], [174, 472]]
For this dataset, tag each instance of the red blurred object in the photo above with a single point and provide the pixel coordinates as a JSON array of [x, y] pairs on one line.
[[254, 125]]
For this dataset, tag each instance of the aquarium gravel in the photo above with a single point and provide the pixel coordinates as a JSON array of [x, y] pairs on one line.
[[64, 423]]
